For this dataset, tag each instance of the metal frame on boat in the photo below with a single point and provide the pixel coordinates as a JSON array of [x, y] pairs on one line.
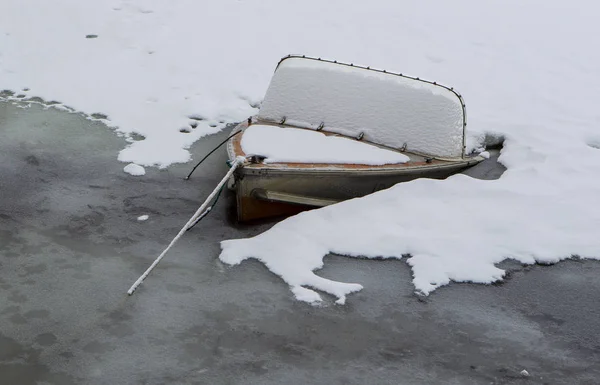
[[275, 189]]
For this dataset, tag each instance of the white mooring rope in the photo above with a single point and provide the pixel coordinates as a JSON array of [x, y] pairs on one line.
[[238, 162]]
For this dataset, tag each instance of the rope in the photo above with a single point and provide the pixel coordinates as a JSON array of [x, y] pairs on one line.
[[213, 150], [198, 214]]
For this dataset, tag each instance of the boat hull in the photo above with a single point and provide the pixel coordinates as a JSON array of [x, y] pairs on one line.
[[264, 192]]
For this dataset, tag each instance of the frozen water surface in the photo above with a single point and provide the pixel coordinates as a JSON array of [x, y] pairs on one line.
[[70, 246], [70, 242]]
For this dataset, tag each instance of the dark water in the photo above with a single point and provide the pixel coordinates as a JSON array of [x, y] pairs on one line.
[[70, 247]]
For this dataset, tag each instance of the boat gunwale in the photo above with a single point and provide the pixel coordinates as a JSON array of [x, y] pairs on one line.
[[234, 149]]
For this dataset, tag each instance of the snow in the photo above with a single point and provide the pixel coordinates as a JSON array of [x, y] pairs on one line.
[[388, 109], [142, 218], [134, 169], [526, 69], [293, 145]]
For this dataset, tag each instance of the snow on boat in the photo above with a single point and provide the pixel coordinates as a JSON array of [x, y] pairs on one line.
[[328, 131]]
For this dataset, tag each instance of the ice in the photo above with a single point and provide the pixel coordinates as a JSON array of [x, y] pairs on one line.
[[282, 144], [142, 218], [134, 169], [387, 109]]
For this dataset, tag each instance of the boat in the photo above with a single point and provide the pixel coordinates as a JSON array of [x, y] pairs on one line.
[[419, 123]]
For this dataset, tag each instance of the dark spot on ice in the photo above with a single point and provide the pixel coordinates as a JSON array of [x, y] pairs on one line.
[[41, 313], [185, 130], [17, 297], [594, 144], [25, 89], [137, 137], [545, 318], [213, 125], [221, 121], [35, 269], [67, 354], [45, 339], [119, 330], [94, 186], [394, 353], [119, 316], [196, 117], [6, 93], [10, 309], [17, 319], [20, 96], [32, 160], [194, 124], [98, 115], [91, 36], [97, 347], [150, 52]]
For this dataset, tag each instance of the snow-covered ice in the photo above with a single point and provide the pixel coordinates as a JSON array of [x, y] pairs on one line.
[[282, 144], [142, 218], [526, 69], [134, 169]]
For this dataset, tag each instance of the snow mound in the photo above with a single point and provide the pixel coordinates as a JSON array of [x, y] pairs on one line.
[[134, 169], [283, 144], [477, 224]]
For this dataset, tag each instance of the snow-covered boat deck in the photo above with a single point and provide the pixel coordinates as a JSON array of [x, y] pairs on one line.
[[413, 160]]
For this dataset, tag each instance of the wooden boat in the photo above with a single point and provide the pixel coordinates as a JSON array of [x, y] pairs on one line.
[[320, 95]]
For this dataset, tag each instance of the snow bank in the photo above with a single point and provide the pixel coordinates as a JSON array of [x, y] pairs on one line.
[[388, 109], [282, 144], [454, 230]]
